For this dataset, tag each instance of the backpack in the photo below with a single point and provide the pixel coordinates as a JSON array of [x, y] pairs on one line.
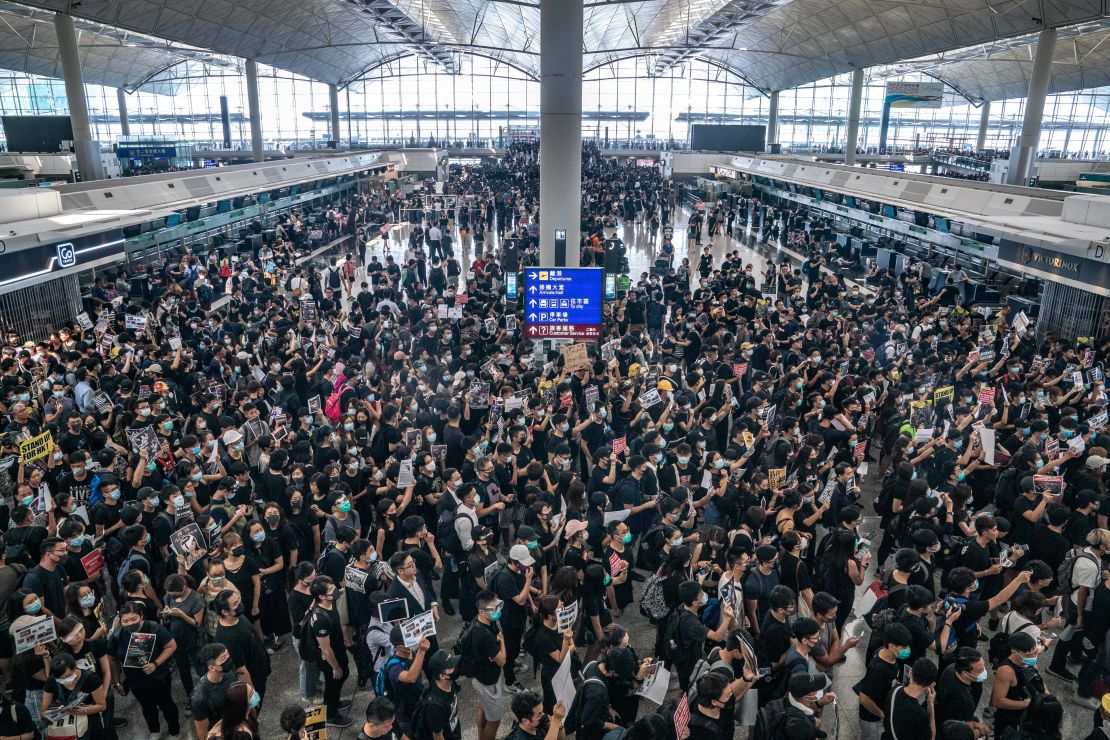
[[998, 649], [771, 721], [1006, 490], [419, 715], [774, 686], [383, 686], [573, 721], [648, 552], [671, 650], [333, 407], [711, 613], [1066, 572], [447, 536], [128, 565], [468, 667], [879, 621], [652, 604], [17, 552], [333, 279], [309, 648]]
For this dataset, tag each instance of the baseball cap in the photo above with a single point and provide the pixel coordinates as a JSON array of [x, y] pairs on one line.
[[1097, 461], [441, 661], [801, 684], [574, 526], [231, 436], [396, 637], [481, 532], [519, 554]]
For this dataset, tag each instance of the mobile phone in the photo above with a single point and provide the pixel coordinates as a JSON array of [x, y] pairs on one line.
[[764, 672]]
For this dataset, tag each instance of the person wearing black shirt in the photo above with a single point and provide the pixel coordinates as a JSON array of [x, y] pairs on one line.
[[960, 688], [512, 584], [207, 700], [774, 633], [685, 634], [324, 624], [240, 639], [883, 674], [910, 712], [532, 722], [440, 703], [483, 642], [380, 715]]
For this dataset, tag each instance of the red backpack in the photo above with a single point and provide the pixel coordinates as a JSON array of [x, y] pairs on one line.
[[333, 407]]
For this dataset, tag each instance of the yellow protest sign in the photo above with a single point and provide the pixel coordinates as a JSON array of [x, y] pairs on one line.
[[316, 723], [940, 395], [36, 447]]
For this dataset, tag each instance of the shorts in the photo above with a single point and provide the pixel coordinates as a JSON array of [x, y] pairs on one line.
[[490, 698]]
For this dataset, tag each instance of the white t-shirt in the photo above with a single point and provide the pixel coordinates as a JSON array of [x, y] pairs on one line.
[[1087, 572]]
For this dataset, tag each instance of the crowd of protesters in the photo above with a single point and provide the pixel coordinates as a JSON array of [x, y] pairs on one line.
[[346, 455]]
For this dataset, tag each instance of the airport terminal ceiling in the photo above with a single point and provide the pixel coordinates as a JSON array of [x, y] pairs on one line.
[[982, 47]]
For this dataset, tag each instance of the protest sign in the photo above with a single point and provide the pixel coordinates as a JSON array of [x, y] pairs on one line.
[[36, 447], [188, 542], [84, 321], [314, 404], [140, 649], [144, 439], [776, 477], [316, 723], [93, 563], [37, 632], [650, 398], [620, 444], [562, 683], [575, 357], [654, 687], [566, 616], [479, 394], [405, 477], [417, 628], [1051, 484], [133, 321], [355, 578]]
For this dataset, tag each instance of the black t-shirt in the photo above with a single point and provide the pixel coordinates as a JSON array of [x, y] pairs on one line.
[[244, 647], [690, 637], [483, 647], [908, 718], [955, 699], [774, 639], [441, 712], [325, 623], [548, 641], [15, 720], [207, 700], [506, 585], [965, 626], [880, 678]]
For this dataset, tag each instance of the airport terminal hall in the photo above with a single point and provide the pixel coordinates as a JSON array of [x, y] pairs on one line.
[[554, 369]]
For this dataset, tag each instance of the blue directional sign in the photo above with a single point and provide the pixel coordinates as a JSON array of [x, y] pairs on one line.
[[563, 302]]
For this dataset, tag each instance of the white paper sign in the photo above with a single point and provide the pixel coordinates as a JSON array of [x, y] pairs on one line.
[[405, 476], [416, 629], [567, 616], [654, 688], [986, 439], [615, 516], [563, 683]]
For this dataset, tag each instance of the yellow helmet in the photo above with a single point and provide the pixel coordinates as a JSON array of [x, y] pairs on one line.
[[633, 369], [665, 385]]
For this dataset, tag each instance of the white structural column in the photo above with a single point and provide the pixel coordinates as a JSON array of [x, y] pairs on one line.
[[984, 124], [853, 118], [121, 101], [1024, 157], [560, 132], [773, 120], [333, 97], [87, 150], [255, 113]]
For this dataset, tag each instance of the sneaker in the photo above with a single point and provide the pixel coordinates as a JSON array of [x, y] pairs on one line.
[[1089, 702], [1062, 673], [515, 687], [340, 720]]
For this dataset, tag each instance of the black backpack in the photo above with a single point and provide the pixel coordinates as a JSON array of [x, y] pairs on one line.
[[998, 649], [16, 548], [420, 729], [573, 721], [447, 536], [309, 648], [468, 667], [771, 721]]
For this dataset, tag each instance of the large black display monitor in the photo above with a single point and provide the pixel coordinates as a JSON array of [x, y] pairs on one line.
[[728, 137], [41, 134]]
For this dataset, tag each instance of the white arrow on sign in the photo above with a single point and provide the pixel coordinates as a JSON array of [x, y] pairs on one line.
[[531, 317], [531, 276], [532, 303], [532, 289]]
